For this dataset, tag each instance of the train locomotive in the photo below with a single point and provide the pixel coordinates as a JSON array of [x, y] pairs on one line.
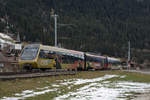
[[38, 56]]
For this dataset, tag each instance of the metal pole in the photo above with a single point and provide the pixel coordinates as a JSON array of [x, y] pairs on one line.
[[129, 51], [129, 55], [55, 18], [55, 27]]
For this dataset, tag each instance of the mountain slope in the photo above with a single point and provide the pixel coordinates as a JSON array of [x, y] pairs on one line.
[[89, 25]]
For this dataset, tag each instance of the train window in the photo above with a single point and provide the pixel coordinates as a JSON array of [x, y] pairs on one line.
[[29, 53], [65, 59], [45, 54], [71, 59], [68, 59], [41, 54]]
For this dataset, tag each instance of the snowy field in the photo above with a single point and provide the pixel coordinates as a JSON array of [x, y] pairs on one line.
[[92, 89]]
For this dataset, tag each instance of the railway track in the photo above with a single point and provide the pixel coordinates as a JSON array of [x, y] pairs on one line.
[[38, 73], [21, 75]]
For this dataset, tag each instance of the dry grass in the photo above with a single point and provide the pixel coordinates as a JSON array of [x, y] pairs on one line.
[[8, 88]]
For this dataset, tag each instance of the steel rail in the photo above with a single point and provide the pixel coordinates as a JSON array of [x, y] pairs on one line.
[[21, 75]]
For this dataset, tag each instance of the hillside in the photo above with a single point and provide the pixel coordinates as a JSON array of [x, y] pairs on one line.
[[102, 26]]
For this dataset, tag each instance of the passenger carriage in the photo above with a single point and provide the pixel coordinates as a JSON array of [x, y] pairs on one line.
[[47, 57], [95, 62]]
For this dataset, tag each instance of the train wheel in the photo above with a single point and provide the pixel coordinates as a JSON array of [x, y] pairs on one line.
[[43, 69], [27, 68]]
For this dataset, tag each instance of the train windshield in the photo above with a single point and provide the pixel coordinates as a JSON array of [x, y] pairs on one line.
[[29, 53]]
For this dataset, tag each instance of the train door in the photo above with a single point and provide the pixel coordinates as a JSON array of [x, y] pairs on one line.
[[89, 64], [106, 64], [46, 59], [67, 62]]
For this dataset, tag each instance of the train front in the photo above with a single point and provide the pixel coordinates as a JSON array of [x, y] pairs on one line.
[[28, 58]]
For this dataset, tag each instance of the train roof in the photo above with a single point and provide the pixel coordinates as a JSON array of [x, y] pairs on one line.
[[76, 53], [62, 51], [113, 60], [73, 53], [91, 55]]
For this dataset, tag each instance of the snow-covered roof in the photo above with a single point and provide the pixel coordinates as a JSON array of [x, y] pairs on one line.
[[4, 38], [3, 35]]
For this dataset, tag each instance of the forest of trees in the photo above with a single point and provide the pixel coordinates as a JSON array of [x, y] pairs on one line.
[[102, 26]]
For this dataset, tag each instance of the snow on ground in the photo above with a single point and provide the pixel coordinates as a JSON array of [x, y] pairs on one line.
[[28, 93], [83, 81], [93, 89], [106, 91]]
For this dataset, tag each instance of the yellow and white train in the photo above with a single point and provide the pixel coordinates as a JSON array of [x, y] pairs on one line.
[[38, 56], [47, 57]]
